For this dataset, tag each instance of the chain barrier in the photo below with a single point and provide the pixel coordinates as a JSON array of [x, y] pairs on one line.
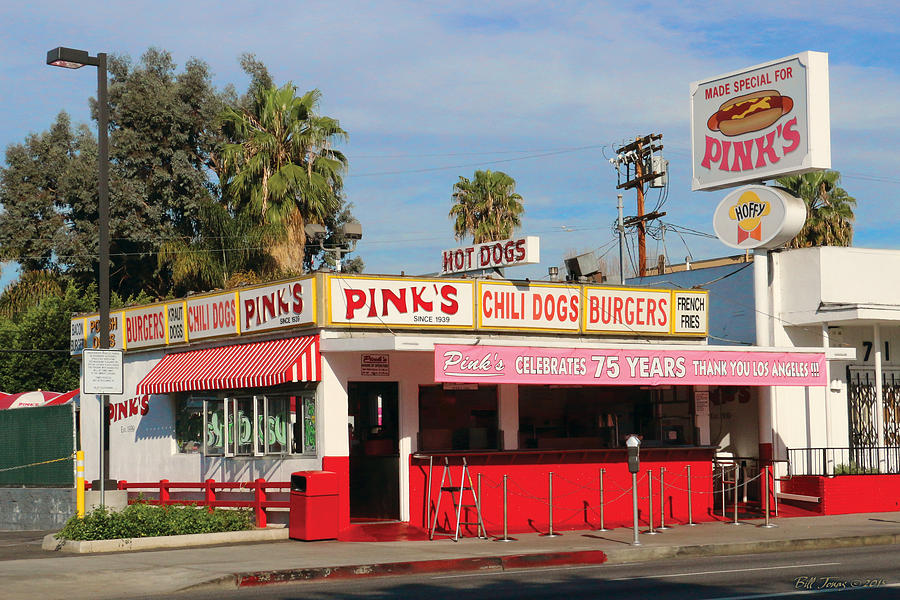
[[643, 479], [44, 462]]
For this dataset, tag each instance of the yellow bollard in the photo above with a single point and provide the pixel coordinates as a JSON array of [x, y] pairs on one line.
[[79, 483]]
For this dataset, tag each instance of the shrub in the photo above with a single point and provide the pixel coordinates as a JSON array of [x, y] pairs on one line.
[[146, 520], [854, 469]]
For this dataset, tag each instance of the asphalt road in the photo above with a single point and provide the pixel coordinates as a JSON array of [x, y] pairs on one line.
[[15, 545], [870, 572]]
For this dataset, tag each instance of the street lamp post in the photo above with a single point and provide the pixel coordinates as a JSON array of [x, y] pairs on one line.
[[75, 59]]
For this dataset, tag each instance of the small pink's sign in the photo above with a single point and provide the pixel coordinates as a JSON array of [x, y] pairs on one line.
[[589, 366]]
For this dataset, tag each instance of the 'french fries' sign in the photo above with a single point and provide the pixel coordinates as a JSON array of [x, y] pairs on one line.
[[760, 123]]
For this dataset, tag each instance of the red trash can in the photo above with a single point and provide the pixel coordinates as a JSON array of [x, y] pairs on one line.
[[314, 506]]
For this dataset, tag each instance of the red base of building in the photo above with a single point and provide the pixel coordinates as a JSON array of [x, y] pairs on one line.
[[576, 489], [846, 494]]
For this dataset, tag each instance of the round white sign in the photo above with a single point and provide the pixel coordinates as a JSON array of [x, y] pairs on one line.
[[757, 216]]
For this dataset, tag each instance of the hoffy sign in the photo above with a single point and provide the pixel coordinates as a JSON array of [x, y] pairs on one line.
[[756, 216]]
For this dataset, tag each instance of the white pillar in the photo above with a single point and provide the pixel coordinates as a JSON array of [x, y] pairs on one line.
[[508, 407], [761, 305], [826, 400]]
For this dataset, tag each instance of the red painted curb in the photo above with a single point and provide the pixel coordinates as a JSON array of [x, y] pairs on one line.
[[516, 561]]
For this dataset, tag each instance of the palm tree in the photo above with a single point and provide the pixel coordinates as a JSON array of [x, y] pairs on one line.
[[487, 207], [228, 250], [30, 289], [829, 219], [281, 166]]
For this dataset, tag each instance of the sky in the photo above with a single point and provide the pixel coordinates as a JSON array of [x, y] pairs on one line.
[[543, 91]]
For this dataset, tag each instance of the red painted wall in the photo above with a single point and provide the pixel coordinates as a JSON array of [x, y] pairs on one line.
[[845, 494], [341, 466], [576, 496]]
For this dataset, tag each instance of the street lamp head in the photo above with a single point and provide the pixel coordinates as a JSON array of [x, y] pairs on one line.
[[70, 58], [352, 230]]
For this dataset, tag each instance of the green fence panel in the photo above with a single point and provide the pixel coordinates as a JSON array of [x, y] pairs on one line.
[[29, 436]]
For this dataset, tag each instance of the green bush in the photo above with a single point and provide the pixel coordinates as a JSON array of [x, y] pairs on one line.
[[147, 520], [854, 469]]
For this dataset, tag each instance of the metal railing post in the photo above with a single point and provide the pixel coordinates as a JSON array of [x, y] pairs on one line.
[[690, 511], [550, 503], [767, 524], [481, 531], [662, 499], [650, 530], [736, 476], [505, 537], [602, 523], [722, 478]]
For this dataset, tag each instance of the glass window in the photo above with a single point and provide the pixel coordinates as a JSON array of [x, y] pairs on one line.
[[243, 425], [247, 425], [189, 425], [554, 417], [303, 421], [458, 419], [214, 426]]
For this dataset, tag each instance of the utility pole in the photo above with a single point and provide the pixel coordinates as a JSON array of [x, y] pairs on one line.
[[638, 153]]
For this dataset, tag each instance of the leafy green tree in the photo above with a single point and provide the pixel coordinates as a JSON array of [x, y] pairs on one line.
[[162, 133], [35, 343], [30, 289], [486, 207], [829, 209], [227, 251], [39, 186], [281, 167], [162, 137]]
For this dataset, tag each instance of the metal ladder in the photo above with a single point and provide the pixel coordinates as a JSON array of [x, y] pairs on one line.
[[458, 502]]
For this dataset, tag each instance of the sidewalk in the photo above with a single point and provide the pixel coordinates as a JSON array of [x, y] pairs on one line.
[[130, 574]]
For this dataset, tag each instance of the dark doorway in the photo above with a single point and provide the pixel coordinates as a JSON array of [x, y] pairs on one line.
[[373, 427]]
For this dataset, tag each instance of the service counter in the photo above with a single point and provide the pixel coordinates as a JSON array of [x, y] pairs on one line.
[[576, 487]]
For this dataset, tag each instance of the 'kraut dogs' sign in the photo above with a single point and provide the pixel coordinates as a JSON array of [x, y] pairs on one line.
[[763, 122]]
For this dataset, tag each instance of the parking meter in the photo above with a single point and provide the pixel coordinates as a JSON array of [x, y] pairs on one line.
[[633, 443]]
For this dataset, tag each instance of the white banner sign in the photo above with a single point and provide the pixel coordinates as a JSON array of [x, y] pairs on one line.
[[400, 302], [490, 255], [145, 327], [763, 122], [287, 304], [211, 316], [529, 306]]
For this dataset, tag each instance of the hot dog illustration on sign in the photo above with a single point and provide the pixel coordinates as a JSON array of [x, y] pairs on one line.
[[750, 112]]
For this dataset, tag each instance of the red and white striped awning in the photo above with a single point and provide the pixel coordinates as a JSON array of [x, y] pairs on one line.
[[260, 364]]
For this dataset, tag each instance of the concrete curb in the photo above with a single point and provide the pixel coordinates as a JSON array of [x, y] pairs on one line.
[[167, 541], [646, 553], [539, 560], [515, 561]]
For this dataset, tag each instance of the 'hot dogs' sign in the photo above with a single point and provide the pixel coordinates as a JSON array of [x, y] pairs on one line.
[[491, 255], [763, 122]]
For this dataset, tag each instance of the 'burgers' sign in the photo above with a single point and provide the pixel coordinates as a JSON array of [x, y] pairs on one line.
[[763, 122]]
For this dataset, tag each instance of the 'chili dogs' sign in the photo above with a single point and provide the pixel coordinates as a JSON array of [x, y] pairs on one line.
[[594, 366], [760, 123]]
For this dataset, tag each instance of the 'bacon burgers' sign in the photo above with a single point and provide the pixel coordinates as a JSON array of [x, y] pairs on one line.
[[760, 123]]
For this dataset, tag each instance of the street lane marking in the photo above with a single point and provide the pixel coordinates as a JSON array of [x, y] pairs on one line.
[[827, 564], [574, 568]]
